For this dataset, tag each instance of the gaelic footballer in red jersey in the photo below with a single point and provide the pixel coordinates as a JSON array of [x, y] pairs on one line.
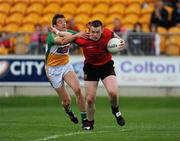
[[95, 48], [99, 65]]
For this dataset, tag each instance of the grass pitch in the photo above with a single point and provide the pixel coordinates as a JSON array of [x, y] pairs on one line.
[[43, 119]]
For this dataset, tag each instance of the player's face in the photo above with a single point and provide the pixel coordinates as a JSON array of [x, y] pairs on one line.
[[61, 24], [95, 33]]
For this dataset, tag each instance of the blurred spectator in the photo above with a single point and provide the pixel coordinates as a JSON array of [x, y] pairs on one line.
[[43, 37], [35, 40], [71, 25], [135, 39], [160, 15], [118, 28], [171, 3], [175, 21], [155, 40], [5, 44], [20, 44]]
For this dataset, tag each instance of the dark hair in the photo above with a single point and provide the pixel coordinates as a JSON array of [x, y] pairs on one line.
[[56, 16], [96, 23]]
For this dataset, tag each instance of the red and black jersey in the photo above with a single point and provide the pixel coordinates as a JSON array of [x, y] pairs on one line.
[[95, 52]]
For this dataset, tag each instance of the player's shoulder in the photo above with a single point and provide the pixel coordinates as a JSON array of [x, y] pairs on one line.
[[107, 32], [50, 37], [51, 34]]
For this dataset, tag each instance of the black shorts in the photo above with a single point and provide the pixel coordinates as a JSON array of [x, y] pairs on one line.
[[94, 73]]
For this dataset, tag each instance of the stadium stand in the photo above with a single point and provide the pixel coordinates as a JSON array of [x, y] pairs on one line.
[[125, 2], [99, 16], [3, 17], [117, 9], [133, 9], [102, 1], [18, 7], [163, 37], [84, 8], [100, 8], [68, 8], [14, 18], [46, 19], [51, 8], [26, 27], [20, 1], [37, 1], [111, 17], [81, 18], [35, 8], [5, 7], [139, 2], [32, 18], [87, 1], [174, 40], [130, 19], [58, 2], [11, 28], [72, 8], [71, 1], [22, 15]]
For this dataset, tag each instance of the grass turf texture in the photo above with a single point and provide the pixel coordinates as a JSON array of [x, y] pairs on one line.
[[43, 119]]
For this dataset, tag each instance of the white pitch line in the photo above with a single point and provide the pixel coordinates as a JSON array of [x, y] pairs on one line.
[[68, 134]]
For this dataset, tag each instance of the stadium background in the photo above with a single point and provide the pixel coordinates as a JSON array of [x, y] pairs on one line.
[[19, 19], [153, 115], [23, 15]]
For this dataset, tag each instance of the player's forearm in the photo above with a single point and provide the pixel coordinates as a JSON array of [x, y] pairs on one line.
[[69, 39], [116, 36], [65, 40], [62, 34]]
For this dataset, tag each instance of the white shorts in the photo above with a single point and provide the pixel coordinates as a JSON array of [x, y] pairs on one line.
[[56, 74]]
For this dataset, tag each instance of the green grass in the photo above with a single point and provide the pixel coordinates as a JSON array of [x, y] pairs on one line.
[[43, 119]]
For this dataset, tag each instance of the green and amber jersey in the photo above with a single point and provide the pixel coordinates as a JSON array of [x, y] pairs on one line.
[[56, 54]]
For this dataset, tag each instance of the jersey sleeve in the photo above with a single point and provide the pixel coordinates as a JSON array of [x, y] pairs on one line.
[[109, 32], [51, 38]]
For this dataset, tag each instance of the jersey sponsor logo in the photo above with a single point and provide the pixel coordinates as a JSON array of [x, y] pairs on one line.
[[63, 50], [60, 49]]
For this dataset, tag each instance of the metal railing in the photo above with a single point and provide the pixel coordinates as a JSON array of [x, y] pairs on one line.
[[139, 44]]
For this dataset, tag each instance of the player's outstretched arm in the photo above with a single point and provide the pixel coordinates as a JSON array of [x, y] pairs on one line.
[[69, 38], [59, 33]]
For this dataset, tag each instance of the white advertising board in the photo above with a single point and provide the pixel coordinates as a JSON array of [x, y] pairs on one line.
[[148, 71]]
